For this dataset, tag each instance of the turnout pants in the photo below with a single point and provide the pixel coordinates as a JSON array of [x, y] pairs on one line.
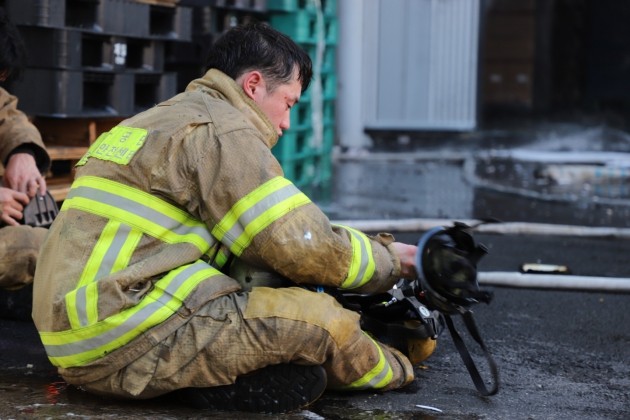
[[19, 249], [241, 332]]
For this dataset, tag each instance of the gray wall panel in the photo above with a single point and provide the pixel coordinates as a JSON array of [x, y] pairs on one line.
[[423, 65]]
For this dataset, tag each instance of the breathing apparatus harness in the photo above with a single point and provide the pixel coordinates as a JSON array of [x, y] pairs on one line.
[[40, 211], [446, 263]]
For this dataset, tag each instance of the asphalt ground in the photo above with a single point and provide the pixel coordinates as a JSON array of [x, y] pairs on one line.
[[561, 354]]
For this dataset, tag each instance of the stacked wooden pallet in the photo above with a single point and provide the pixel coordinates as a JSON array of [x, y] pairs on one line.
[[92, 64]]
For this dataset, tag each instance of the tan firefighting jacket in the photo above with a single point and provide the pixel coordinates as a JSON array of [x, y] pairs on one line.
[[16, 130], [164, 201]]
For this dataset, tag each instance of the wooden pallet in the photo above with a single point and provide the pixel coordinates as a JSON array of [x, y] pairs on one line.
[[67, 140]]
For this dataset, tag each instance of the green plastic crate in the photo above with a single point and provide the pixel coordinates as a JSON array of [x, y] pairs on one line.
[[302, 27], [329, 57], [297, 144], [329, 88], [293, 144], [329, 7], [309, 171], [301, 114]]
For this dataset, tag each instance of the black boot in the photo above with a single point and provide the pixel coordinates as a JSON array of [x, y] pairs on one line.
[[273, 389], [17, 304]]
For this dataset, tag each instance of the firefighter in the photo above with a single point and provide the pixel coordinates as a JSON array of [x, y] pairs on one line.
[[25, 162], [133, 296]]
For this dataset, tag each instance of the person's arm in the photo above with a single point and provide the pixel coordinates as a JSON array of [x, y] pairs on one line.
[[21, 174], [11, 205], [22, 150], [269, 223], [407, 255]]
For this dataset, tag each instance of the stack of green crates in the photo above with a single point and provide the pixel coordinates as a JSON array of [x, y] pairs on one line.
[[305, 158]]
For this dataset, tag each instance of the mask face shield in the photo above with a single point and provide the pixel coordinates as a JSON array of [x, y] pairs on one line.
[[447, 268]]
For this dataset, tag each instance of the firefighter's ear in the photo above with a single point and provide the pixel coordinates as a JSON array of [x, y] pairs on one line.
[[252, 83]]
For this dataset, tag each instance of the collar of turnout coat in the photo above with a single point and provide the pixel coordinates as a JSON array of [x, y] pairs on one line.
[[218, 85]]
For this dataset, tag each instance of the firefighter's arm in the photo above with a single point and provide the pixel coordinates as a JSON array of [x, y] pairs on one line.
[[18, 135], [11, 205], [21, 174], [407, 255]]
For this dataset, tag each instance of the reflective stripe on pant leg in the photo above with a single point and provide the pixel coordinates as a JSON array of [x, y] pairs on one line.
[[353, 359], [241, 332]]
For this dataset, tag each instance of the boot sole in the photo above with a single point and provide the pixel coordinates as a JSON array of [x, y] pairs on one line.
[[273, 389]]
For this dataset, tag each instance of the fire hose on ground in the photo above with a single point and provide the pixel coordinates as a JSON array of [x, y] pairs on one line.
[[554, 281]]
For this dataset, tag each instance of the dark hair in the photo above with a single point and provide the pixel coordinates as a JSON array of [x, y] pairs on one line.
[[258, 46], [12, 51]]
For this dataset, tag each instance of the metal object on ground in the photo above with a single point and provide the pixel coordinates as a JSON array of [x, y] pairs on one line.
[[537, 268]]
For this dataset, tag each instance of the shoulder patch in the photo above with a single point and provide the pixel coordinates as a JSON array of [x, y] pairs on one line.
[[117, 145]]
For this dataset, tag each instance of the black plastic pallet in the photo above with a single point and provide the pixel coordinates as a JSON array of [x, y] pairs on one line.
[[73, 49], [113, 17], [68, 93]]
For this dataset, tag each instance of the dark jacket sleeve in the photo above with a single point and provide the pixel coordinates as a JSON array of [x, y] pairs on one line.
[[18, 134]]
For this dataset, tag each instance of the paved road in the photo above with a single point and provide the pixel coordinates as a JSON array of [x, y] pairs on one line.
[[561, 355]]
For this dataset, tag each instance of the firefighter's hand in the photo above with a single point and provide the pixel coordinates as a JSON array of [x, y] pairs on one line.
[[21, 174], [11, 205], [407, 255]]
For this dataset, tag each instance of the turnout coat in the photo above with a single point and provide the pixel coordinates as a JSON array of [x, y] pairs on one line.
[[160, 207]]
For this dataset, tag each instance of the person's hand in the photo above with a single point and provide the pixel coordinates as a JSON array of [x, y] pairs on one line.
[[11, 205], [21, 174], [407, 255]]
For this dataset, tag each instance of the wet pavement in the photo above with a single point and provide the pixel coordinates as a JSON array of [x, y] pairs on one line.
[[562, 354]]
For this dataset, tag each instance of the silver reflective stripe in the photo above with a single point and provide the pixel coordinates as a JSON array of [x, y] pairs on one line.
[[132, 323], [104, 269], [112, 253], [365, 259], [379, 376], [256, 210], [375, 381], [168, 223], [361, 268], [80, 304]]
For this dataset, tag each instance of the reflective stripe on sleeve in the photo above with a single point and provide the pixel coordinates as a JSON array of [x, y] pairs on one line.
[[79, 346], [138, 209], [257, 210], [362, 265]]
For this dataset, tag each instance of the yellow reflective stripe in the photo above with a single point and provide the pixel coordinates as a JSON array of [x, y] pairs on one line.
[[257, 210], [83, 345], [244, 204], [98, 253], [72, 310], [138, 209], [222, 257], [126, 251], [265, 219], [362, 266], [77, 308], [78, 314], [91, 300], [111, 253], [378, 377]]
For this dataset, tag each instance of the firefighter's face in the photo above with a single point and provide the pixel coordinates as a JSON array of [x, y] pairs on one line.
[[276, 103]]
